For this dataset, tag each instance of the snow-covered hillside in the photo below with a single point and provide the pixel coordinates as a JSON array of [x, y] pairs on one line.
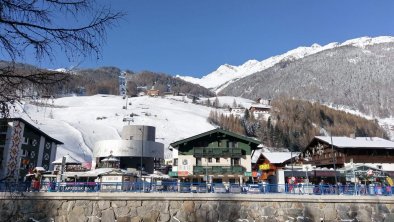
[[226, 74], [79, 122]]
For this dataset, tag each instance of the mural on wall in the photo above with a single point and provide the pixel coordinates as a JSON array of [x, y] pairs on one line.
[[14, 150]]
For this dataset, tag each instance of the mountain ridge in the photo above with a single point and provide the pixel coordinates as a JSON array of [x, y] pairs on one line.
[[358, 77], [227, 74]]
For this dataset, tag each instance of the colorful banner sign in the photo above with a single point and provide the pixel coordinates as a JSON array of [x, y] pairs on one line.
[[389, 181], [248, 174], [183, 173], [265, 166], [173, 174]]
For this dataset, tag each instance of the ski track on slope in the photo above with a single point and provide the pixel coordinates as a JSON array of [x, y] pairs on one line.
[[83, 144]]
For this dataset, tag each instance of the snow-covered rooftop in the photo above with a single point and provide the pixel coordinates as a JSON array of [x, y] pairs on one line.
[[96, 172], [278, 157], [358, 142], [69, 160], [273, 157], [262, 106]]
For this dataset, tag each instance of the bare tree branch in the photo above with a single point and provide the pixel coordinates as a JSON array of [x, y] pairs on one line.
[[35, 25]]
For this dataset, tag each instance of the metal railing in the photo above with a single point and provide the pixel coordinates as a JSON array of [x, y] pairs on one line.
[[296, 189]]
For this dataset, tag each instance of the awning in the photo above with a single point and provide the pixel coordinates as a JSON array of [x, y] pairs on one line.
[[39, 169], [110, 159]]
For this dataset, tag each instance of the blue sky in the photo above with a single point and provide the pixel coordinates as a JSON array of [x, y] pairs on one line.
[[195, 37]]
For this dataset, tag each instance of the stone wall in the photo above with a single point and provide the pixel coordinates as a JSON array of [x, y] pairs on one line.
[[125, 207]]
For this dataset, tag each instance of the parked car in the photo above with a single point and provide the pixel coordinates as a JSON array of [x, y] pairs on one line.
[[253, 188], [219, 188], [235, 188], [201, 188], [184, 188]]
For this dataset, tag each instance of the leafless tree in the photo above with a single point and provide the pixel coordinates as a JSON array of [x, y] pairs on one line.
[[35, 26]]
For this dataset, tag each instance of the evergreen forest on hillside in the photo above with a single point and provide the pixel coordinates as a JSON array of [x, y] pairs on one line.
[[293, 124], [104, 80]]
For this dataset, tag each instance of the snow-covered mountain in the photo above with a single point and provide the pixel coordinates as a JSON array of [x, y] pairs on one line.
[[80, 122], [227, 74]]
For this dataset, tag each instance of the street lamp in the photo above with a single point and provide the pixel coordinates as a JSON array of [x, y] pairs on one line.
[[307, 179], [206, 176], [291, 160], [142, 153], [306, 175]]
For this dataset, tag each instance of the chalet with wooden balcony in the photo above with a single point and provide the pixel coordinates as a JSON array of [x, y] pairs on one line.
[[324, 151], [214, 156], [267, 166]]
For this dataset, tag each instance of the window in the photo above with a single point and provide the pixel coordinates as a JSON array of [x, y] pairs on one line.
[[3, 138], [25, 153], [25, 140], [198, 161], [210, 160], [235, 161], [217, 160], [175, 162]]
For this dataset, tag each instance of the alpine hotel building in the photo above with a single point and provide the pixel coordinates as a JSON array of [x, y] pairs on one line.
[[24, 147], [217, 155]]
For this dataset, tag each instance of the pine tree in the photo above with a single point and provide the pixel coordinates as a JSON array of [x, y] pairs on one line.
[[216, 103], [209, 103], [246, 114], [234, 104]]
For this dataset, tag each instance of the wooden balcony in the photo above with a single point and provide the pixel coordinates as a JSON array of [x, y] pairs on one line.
[[217, 152], [356, 159], [220, 170]]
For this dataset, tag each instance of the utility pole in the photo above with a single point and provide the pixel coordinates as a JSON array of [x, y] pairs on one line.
[[354, 177], [291, 159], [334, 160], [206, 176]]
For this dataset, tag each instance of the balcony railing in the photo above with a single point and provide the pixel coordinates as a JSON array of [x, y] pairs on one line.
[[220, 170], [217, 152]]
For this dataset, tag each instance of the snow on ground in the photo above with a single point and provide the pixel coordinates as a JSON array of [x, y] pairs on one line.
[[79, 122], [388, 124], [225, 101]]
